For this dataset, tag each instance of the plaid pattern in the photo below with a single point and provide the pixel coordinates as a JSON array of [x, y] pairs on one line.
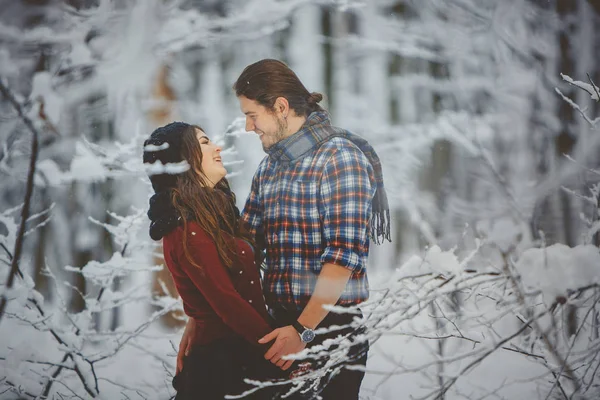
[[318, 130], [312, 208]]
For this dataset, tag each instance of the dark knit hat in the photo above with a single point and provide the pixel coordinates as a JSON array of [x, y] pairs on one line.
[[165, 144]]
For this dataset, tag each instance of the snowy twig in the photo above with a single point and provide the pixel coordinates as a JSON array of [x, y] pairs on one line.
[[15, 388], [40, 214], [28, 192], [478, 360], [58, 338], [591, 309], [596, 90], [546, 340], [48, 386], [592, 89], [576, 107]]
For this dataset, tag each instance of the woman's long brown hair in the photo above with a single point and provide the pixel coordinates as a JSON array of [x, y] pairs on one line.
[[211, 208]]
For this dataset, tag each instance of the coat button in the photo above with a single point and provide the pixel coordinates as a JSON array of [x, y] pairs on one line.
[[249, 301], [252, 282], [243, 252], [193, 233], [241, 272]]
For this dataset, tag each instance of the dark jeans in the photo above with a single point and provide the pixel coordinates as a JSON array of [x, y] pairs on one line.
[[345, 385], [212, 371]]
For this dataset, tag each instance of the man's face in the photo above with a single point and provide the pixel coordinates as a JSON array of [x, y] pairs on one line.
[[269, 126]]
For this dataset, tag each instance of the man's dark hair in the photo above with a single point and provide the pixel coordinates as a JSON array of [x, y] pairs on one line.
[[266, 80]]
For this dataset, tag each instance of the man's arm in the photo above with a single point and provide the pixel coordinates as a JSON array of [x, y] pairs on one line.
[[328, 289]]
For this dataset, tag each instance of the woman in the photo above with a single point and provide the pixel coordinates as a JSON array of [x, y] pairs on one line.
[[212, 263]]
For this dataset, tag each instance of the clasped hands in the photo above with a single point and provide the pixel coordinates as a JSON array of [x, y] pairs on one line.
[[287, 341]]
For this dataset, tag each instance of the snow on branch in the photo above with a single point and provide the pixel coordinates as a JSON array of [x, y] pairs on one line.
[[590, 89], [76, 341], [18, 245], [492, 318], [576, 107]]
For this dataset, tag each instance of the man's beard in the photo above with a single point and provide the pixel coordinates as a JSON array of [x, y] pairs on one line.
[[279, 135]]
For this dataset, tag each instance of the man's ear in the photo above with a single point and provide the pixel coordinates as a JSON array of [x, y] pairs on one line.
[[282, 106]]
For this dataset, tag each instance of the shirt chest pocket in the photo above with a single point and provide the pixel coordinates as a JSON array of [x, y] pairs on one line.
[[304, 188], [302, 199]]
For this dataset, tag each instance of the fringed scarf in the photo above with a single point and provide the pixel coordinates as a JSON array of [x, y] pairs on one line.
[[317, 130]]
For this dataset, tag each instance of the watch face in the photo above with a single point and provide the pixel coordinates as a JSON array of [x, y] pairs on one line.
[[308, 335]]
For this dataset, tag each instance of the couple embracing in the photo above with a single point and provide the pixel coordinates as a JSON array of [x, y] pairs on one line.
[[315, 201]]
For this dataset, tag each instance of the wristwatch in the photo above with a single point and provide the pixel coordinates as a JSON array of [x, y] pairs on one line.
[[307, 335]]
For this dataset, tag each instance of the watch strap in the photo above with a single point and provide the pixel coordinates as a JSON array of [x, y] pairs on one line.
[[298, 326]]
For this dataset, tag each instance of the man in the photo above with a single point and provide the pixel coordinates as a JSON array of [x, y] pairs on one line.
[[314, 201]]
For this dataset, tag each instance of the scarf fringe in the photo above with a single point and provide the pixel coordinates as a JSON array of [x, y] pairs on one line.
[[379, 223]]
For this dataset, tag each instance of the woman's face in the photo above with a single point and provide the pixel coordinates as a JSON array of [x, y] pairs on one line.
[[212, 165]]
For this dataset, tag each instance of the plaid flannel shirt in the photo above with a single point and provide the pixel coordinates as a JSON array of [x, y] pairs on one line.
[[311, 211]]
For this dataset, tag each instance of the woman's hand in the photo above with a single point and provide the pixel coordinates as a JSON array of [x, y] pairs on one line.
[[186, 343]]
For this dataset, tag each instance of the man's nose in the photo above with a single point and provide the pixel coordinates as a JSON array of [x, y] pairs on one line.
[[249, 125]]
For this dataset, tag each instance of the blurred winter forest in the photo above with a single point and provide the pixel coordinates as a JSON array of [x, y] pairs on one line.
[[484, 112]]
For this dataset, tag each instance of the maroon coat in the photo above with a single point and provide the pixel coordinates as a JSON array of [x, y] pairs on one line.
[[223, 302]]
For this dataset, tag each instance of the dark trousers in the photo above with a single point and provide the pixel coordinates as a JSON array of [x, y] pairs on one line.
[[210, 372], [346, 383]]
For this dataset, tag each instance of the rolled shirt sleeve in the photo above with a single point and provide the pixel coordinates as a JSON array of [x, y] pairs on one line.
[[346, 192]]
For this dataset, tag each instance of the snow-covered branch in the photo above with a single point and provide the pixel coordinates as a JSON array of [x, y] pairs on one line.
[[16, 254]]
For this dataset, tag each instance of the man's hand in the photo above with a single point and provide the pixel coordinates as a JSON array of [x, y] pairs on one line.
[[287, 341], [186, 344]]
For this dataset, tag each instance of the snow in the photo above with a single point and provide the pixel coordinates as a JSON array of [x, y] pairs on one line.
[[434, 261], [42, 91], [158, 168], [558, 269], [465, 126], [151, 147], [7, 67], [16, 364], [592, 90], [86, 166], [103, 273]]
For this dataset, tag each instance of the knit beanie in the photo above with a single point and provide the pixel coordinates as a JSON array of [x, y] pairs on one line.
[[165, 145]]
